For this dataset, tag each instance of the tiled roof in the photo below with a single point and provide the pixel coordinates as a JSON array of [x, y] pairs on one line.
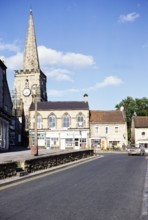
[[60, 106], [141, 121], [115, 116]]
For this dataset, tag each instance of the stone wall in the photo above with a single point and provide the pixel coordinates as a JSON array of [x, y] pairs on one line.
[[9, 169], [45, 162]]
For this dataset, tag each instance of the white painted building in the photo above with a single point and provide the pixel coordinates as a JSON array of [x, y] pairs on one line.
[[139, 130], [108, 129]]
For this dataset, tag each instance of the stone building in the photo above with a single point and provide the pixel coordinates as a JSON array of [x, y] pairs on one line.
[[5, 109], [61, 125], [30, 77], [108, 129]]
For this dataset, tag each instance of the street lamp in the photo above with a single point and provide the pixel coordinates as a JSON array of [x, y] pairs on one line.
[[34, 148]]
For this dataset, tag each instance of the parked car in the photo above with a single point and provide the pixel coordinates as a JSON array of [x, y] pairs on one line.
[[136, 150]]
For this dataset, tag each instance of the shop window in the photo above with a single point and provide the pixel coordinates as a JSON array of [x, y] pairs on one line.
[[54, 141], [95, 143], [83, 142], [68, 142], [41, 136]]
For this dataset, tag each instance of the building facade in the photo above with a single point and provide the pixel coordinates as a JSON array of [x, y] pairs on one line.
[[29, 78], [5, 109], [61, 125], [139, 131], [108, 129]]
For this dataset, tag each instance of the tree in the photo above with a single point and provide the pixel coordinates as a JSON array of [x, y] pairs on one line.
[[129, 105], [133, 107], [142, 107]]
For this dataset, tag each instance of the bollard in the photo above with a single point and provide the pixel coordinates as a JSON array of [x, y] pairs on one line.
[[34, 151]]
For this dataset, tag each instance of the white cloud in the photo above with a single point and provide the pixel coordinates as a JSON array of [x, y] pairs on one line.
[[7, 46], [13, 62], [56, 64], [52, 57], [108, 81], [58, 74], [131, 17]]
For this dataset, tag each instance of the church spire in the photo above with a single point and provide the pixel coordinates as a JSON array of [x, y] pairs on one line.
[[31, 60]]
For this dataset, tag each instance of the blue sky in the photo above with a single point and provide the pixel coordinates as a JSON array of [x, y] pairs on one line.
[[98, 47]]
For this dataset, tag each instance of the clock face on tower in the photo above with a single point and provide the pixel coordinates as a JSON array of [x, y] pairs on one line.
[[26, 92]]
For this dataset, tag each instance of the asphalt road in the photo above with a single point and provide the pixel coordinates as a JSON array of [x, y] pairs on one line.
[[110, 188]]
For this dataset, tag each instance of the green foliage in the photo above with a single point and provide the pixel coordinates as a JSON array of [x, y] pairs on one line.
[[141, 107], [129, 105]]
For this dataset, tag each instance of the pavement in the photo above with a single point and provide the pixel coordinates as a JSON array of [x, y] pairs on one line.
[[23, 154]]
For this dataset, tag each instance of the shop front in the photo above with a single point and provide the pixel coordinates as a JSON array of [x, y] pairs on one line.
[[40, 137], [66, 140]]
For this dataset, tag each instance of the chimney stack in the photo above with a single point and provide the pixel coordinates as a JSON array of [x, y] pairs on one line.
[[85, 98]]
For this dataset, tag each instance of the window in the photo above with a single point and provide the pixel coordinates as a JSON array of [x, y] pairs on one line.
[[106, 130], [52, 121], [143, 133], [68, 142], [41, 136], [39, 122], [54, 141], [6, 108], [0, 128], [66, 121], [80, 121], [0, 133], [97, 130], [116, 129]]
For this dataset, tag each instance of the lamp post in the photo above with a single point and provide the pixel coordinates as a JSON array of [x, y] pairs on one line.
[[35, 147]]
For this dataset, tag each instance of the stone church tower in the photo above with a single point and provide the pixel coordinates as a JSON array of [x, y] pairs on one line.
[[30, 77]]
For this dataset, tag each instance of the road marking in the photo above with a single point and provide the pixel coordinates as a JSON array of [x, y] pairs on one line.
[[144, 214], [48, 172]]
